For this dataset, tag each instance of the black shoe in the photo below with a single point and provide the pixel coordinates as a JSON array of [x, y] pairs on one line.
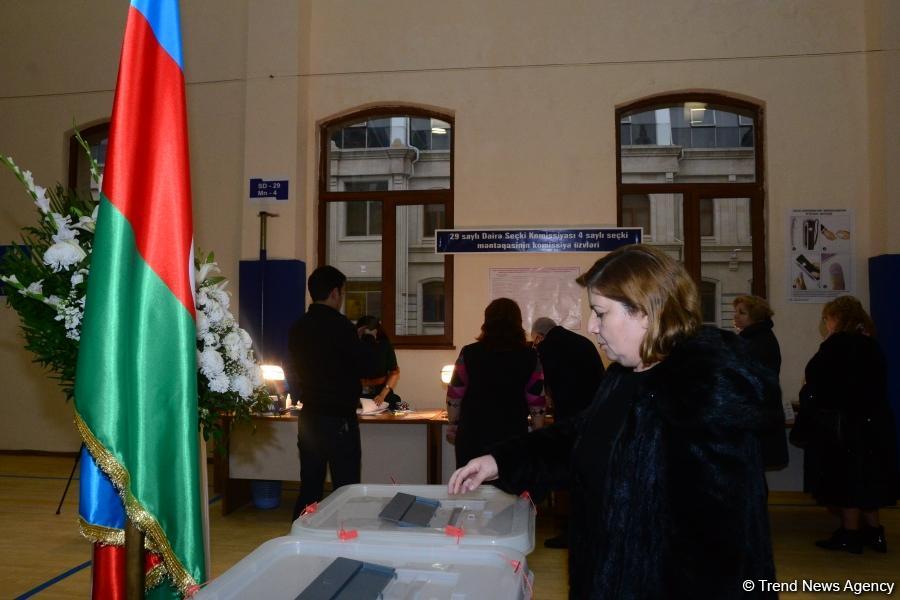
[[560, 541], [873, 537], [849, 540]]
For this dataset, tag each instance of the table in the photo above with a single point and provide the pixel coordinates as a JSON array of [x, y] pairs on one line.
[[408, 448]]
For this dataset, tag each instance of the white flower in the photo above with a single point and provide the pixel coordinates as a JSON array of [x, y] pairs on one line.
[[211, 340], [63, 233], [11, 279], [54, 301], [204, 271], [36, 288], [202, 324], [86, 223], [63, 254], [212, 364], [77, 277], [241, 384], [245, 338], [214, 311], [41, 199], [29, 180], [219, 383], [220, 296]]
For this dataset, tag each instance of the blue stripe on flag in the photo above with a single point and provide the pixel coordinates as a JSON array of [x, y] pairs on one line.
[[164, 20], [99, 503]]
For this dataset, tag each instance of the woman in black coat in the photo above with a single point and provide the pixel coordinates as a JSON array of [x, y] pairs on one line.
[[848, 428], [753, 322], [497, 384], [668, 495]]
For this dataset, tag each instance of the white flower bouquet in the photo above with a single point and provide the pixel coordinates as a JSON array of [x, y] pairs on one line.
[[46, 282]]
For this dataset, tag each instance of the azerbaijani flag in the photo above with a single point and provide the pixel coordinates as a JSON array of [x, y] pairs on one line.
[[136, 384]]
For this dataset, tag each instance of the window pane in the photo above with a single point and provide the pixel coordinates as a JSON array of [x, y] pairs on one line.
[[419, 307], [374, 217], [636, 212], [366, 186], [378, 133], [707, 218], [668, 231], [690, 126], [355, 219], [418, 155], [358, 259], [433, 219], [727, 260]]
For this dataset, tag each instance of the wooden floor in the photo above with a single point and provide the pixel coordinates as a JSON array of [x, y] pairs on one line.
[[37, 546]]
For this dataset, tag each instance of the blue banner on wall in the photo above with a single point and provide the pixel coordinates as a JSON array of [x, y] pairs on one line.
[[476, 241]]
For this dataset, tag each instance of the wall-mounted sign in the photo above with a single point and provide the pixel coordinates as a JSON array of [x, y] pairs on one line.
[[269, 189], [468, 241], [820, 258]]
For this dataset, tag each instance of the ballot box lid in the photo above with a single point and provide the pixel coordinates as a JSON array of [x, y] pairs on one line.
[[485, 516], [284, 567]]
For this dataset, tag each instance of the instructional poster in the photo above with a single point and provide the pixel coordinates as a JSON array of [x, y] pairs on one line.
[[820, 261], [541, 292]]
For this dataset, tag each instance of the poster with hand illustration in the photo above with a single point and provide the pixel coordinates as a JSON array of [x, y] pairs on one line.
[[820, 254]]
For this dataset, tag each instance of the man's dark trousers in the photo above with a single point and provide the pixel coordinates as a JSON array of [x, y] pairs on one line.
[[326, 441]]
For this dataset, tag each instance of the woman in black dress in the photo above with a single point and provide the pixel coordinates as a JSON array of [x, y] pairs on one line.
[[848, 428], [497, 383], [753, 322], [668, 495]]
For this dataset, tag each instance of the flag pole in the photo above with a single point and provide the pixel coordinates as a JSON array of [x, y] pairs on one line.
[[135, 566]]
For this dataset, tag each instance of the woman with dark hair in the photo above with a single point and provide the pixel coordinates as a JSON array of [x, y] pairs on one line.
[[497, 383], [845, 419], [668, 494], [380, 370], [753, 322]]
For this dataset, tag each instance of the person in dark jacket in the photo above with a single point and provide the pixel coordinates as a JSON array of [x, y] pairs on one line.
[[668, 493], [327, 363], [572, 367], [572, 373], [497, 382], [753, 322], [380, 371], [845, 417]]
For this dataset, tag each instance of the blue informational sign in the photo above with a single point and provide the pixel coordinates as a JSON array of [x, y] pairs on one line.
[[275, 189], [476, 241]]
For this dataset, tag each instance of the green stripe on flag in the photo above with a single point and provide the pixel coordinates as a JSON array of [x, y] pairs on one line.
[[136, 391]]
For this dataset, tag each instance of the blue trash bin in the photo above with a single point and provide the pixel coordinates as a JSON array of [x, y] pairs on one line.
[[265, 493]]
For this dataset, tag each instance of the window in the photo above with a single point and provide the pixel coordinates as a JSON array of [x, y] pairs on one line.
[[433, 302], [386, 185], [702, 182], [97, 138], [362, 219], [636, 212], [708, 302]]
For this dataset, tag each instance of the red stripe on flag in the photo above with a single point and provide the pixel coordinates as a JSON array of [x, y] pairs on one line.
[[147, 175], [109, 575]]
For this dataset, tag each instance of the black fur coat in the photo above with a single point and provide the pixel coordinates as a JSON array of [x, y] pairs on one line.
[[681, 511]]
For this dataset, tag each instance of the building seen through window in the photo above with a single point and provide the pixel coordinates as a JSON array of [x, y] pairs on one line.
[[386, 188], [690, 174]]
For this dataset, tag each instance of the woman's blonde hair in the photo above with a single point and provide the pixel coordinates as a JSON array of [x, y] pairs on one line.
[[849, 315], [649, 282], [757, 308]]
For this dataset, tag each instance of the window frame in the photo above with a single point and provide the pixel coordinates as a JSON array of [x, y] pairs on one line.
[[390, 200], [691, 192], [91, 135]]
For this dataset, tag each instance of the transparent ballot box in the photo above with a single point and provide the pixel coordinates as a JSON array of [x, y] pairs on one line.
[[291, 567], [422, 515]]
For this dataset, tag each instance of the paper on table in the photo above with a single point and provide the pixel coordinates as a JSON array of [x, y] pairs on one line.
[[370, 408]]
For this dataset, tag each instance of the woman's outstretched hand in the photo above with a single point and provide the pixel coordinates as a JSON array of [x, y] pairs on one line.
[[476, 471]]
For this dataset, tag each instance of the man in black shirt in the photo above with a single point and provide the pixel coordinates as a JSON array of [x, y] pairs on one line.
[[572, 374], [326, 362]]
